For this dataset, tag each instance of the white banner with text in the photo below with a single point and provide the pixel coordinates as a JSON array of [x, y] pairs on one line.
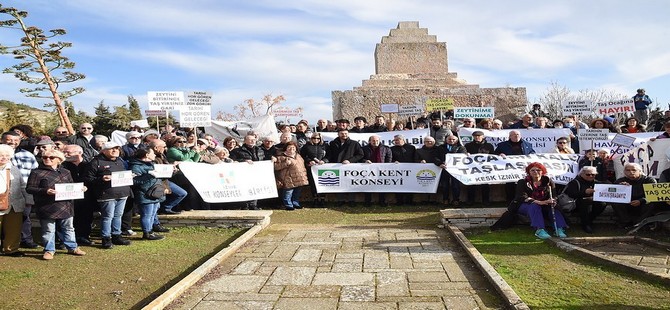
[[376, 178], [652, 156], [543, 140], [413, 137]]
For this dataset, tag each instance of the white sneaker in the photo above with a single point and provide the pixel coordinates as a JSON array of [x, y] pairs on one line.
[[128, 232]]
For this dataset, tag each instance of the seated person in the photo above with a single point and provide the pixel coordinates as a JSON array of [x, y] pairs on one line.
[[581, 189], [638, 208]]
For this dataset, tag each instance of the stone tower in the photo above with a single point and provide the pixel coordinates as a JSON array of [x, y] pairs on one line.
[[411, 67]]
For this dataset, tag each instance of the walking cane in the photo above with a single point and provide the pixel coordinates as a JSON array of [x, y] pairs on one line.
[[553, 209]]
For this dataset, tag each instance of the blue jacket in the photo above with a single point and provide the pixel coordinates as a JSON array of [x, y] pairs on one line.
[[505, 147], [143, 181], [641, 102]]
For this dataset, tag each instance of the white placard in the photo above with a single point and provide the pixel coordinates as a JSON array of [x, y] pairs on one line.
[[389, 108], [376, 178], [614, 107], [68, 191], [285, 112], [163, 171], [612, 193], [474, 112], [623, 140], [154, 113], [409, 110], [198, 110], [142, 123], [652, 156], [122, 178], [165, 100], [592, 134], [543, 140], [577, 107]]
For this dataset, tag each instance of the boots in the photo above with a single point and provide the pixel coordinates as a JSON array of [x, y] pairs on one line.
[[160, 228], [151, 236], [118, 240], [106, 242]]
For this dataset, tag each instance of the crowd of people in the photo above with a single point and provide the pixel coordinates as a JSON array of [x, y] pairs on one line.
[[34, 165]]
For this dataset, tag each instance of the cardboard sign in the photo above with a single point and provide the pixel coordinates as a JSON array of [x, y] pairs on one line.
[[439, 104], [165, 100], [389, 108], [623, 140], [577, 107], [612, 193], [474, 112], [122, 178], [593, 134], [657, 192], [614, 107], [68, 191]]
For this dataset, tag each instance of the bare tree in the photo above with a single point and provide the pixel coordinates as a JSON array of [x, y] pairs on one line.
[[39, 60], [251, 108], [555, 95]]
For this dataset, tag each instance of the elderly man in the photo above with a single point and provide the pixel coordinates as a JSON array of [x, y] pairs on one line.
[[177, 194], [341, 124], [112, 200], [438, 132], [269, 148], [430, 153], [376, 152], [581, 189], [403, 152], [60, 133], [83, 208], [321, 125], [345, 151], [478, 145], [638, 208], [248, 153], [84, 138], [525, 122], [513, 146], [133, 143]]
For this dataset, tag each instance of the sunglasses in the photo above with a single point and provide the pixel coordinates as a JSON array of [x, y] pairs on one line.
[[89, 128], [61, 131], [180, 141], [49, 157], [562, 143], [590, 174]]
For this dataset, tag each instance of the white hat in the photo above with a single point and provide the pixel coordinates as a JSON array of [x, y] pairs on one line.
[[110, 145]]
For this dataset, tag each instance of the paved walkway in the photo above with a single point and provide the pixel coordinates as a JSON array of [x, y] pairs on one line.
[[319, 268]]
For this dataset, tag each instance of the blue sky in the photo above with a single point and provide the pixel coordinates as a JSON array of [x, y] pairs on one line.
[[305, 49]]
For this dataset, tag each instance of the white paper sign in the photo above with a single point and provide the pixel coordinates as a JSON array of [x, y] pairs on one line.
[[577, 107], [163, 171], [68, 191], [409, 110], [623, 140], [389, 108], [142, 123], [592, 134], [198, 110], [122, 178], [165, 100], [612, 193], [474, 112], [614, 107]]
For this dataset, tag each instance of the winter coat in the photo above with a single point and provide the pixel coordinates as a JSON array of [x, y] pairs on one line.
[[385, 154], [46, 206], [505, 147], [290, 171], [435, 155], [314, 152], [102, 190], [86, 145], [18, 197], [637, 190], [348, 150], [244, 153], [182, 154], [439, 134], [143, 181], [404, 154], [479, 148]]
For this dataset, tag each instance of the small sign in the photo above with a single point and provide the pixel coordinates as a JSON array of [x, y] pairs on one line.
[[657, 192], [154, 112], [439, 104], [591, 134], [577, 107], [623, 140], [163, 171], [288, 112], [122, 178], [165, 100], [409, 110], [389, 108], [614, 107], [142, 123], [68, 191], [198, 110], [474, 112], [612, 193]]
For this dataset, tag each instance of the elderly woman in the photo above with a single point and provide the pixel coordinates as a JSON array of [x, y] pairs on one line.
[[55, 216], [452, 145], [315, 152], [230, 143], [563, 146], [581, 189], [223, 154], [638, 208], [11, 218], [535, 194], [147, 191], [291, 176]]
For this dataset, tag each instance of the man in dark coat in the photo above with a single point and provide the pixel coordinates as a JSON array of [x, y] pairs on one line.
[[478, 145], [345, 151], [375, 152], [403, 152], [639, 208], [513, 146], [84, 138], [248, 153]]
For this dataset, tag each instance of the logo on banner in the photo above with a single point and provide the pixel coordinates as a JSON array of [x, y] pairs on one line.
[[329, 177], [425, 177]]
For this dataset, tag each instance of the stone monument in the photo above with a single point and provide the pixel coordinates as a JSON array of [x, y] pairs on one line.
[[411, 67]]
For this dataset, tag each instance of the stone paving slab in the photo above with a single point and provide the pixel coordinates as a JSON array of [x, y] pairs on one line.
[[319, 268]]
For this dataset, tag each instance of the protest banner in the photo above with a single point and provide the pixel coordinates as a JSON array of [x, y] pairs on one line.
[[122, 178], [413, 137], [197, 112], [439, 104], [149, 113], [474, 112], [543, 140], [652, 156], [286, 112], [409, 110], [614, 107], [69, 191], [477, 169], [264, 126], [657, 192], [612, 193], [389, 108], [232, 182], [577, 107], [165, 100], [617, 149], [376, 178]]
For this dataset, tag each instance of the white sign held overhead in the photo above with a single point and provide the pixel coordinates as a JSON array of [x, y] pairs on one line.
[[198, 110], [389, 108], [592, 134], [577, 107], [165, 100], [474, 112], [285, 112], [409, 110], [154, 113], [615, 107], [623, 140]]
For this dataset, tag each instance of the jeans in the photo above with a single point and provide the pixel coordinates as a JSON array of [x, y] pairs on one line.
[[63, 228], [172, 200], [290, 196], [148, 212], [538, 214], [111, 212]]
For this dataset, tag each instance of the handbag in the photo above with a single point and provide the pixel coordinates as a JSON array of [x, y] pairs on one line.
[[4, 197], [566, 203], [156, 191]]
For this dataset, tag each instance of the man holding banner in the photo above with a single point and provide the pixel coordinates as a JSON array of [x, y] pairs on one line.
[[513, 146], [638, 208]]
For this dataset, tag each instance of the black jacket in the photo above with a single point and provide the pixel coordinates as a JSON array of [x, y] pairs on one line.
[[314, 152], [386, 155], [404, 154], [637, 192], [244, 153], [435, 155], [348, 150], [479, 148], [96, 169]]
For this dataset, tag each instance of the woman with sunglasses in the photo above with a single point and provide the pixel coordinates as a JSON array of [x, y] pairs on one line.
[[315, 152], [55, 216]]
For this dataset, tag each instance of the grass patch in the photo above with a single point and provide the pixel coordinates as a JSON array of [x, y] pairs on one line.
[[548, 278], [124, 277]]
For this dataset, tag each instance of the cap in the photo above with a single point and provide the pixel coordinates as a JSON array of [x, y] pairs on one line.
[[133, 133], [342, 120], [110, 145], [478, 133], [46, 141], [150, 132], [203, 141]]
